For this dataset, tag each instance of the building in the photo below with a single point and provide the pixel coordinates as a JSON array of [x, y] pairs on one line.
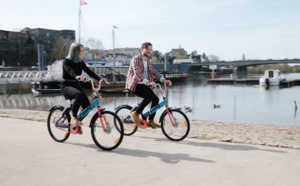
[[123, 55], [48, 37], [177, 52], [20, 48], [119, 57]]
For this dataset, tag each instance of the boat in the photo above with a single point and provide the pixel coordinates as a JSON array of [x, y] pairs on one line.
[[174, 76], [113, 91], [271, 78]]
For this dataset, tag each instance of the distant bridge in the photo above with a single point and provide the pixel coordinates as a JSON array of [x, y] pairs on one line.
[[248, 63]]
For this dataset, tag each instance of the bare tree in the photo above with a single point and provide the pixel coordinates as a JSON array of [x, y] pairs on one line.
[[60, 49], [94, 44], [213, 58], [95, 47]]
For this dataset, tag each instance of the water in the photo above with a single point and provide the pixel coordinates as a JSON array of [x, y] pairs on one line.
[[238, 103]]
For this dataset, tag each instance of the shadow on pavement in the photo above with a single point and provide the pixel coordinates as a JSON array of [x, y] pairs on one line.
[[164, 157], [220, 145]]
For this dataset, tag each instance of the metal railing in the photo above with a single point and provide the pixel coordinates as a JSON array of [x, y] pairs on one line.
[[28, 76], [7, 77]]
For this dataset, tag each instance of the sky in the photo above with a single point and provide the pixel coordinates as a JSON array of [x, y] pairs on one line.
[[260, 29]]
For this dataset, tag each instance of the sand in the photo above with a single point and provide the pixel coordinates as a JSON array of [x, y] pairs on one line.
[[229, 132]]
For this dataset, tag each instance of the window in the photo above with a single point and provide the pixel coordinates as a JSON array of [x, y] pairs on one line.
[[271, 74]]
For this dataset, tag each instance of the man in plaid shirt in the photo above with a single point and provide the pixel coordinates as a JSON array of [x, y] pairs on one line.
[[140, 76]]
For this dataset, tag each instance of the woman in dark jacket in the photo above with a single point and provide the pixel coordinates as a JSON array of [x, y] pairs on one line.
[[72, 70]]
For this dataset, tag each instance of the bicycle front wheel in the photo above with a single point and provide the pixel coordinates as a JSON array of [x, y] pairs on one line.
[[58, 125], [111, 135], [176, 125], [124, 114]]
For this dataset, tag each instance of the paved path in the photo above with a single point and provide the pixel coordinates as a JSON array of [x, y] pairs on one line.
[[29, 156]]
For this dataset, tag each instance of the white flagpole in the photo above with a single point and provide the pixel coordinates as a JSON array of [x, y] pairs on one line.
[[114, 57], [79, 19]]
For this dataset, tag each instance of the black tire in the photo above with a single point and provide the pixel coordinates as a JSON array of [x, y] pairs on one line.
[[182, 128], [55, 132], [124, 113], [110, 139]]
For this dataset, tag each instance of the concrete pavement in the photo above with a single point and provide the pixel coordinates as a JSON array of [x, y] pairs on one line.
[[29, 156]]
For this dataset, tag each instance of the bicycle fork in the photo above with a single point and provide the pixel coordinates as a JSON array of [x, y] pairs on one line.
[[172, 119], [105, 124]]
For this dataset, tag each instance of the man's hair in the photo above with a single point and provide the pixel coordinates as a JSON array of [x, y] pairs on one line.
[[146, 44]]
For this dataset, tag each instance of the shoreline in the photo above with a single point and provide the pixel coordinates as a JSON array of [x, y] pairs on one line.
[[230, 132]]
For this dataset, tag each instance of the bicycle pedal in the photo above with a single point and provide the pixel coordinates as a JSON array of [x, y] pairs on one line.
[[143, 124], [73, 130]]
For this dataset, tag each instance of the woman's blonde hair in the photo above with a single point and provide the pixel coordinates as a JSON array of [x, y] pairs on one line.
[[74, 53]]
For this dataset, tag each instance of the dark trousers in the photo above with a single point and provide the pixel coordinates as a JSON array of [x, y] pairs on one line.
[[146, 92], [75, 92]]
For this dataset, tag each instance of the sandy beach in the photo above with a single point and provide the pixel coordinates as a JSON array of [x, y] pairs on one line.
[[229, 132]]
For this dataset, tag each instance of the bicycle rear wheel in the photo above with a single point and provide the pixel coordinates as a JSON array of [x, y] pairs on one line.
[[181, 127], [58, 125], [124, 114], [113, 136]]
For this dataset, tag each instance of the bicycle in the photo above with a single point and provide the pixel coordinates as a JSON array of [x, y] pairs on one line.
[[175, 124], [106, 127]]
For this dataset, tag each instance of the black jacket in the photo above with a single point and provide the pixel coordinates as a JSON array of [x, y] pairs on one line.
[[71, 70]]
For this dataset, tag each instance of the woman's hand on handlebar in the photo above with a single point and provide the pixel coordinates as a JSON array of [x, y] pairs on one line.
[[96, 83], [168, 82], [105, 80]]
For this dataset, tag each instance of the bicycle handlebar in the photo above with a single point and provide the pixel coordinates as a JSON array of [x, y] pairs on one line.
[[92, 82], [163, 91]]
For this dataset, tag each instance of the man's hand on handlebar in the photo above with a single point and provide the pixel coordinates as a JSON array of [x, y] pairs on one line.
[[153, 84], [167, 81]]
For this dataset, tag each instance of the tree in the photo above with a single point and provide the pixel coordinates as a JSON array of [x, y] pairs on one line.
[[194, 53], [213, 58], [60, 49], [154, 59], [170, 59], [159, 56], [93, 44], [95, 47]]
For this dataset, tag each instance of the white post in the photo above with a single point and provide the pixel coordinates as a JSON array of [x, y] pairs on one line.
[[165, 62], [79, 21], [114, 79]]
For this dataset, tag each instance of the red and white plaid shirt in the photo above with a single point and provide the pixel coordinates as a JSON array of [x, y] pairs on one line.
[[136, 71]]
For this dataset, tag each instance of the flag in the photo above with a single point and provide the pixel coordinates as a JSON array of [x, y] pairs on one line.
[[82, 3], [115, 26]]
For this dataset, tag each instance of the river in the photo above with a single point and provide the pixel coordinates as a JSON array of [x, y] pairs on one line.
[[238, 103]]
